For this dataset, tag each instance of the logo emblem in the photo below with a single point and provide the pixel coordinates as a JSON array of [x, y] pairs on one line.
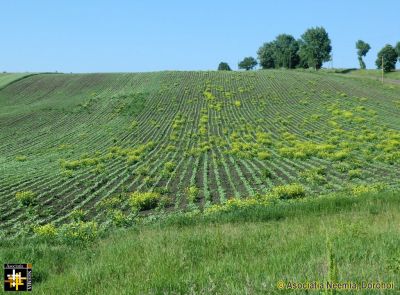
[[18, 277]]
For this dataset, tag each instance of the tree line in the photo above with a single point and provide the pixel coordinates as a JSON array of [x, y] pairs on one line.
[[310, 51]]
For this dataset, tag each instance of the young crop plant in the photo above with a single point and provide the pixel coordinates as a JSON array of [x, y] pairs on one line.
[[142, 170], [99, 169], [315, 175], [264, 155], [26, 198], [355, 173], [171, 148], [119, 218], [192, 193], [169, 166], [21, 158], [78, 215], [267, 173], [208, 95], [263, 138], [133, 124], [67, 173], [110, 203]]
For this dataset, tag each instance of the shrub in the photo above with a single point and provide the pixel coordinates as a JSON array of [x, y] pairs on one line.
[[144, 201], [78, 233], [46, 232], [25, 198], [289, 191]]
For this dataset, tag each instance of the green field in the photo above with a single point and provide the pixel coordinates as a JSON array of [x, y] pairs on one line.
[[199, 182], [88, 141]]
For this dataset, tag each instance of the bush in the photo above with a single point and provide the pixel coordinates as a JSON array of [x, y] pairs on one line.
[[25, 198], [144, 201], [78, 233], [289, 191], [47, 232]]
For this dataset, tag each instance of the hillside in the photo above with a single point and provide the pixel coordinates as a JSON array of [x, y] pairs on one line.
[[375, 74], [196, 138], [7, 78]]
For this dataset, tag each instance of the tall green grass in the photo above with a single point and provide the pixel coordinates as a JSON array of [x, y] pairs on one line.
[[247, 251]]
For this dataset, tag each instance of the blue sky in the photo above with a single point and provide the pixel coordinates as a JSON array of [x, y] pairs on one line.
[[150, 35]]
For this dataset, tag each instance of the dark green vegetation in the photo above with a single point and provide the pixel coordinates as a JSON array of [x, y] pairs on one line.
[[243, 251], [223, 66], [313, 49], [285, 51], [248, 63], [362, 50], [398, 49], [389, 56], [78, 147]]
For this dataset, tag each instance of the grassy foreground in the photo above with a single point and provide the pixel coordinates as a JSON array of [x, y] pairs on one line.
[[247, 251]]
